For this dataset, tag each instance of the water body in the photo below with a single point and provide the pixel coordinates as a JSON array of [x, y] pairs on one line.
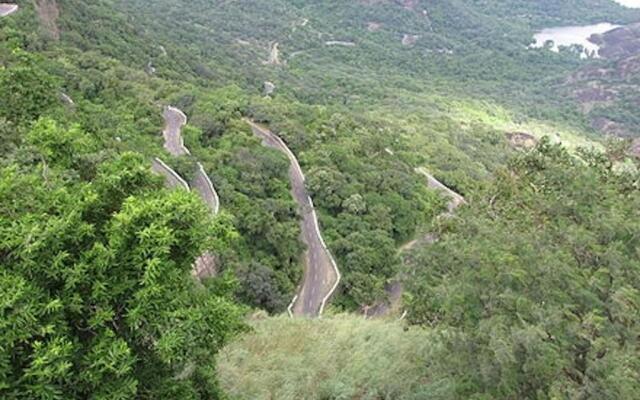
[[573, 35], [629, 3]]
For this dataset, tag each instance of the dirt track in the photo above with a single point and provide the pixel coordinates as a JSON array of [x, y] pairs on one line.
[[321, 275]]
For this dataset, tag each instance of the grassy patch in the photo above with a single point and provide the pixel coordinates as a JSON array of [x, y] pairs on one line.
[[338, 357]]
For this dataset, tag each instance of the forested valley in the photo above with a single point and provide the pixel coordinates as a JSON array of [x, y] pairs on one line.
[[477, 199]]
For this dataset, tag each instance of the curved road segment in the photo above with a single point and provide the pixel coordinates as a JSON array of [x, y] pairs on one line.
[[174, 120], [455, 200], [171, 177], [321, 275], [394, 289], [203, 185], [174, 143], [7, 9], [205, 265]]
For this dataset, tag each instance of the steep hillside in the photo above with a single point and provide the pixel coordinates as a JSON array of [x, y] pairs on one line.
[[529, 291], [447, 99]]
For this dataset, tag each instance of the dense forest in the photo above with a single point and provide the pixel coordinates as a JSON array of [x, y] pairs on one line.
[[531, 290]]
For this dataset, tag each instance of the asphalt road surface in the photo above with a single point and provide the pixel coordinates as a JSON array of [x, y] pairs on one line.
[[394, 289], [203, 185], [172, 179], [207, 264], [174, 120], [174, 143], [455, 200], [321, 275]]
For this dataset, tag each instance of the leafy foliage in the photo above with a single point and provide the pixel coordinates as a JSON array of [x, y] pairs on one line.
[[97, 297], [537, 284]]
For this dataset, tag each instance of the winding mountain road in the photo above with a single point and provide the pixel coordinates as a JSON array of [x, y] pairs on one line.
[[174, 120], [394, 289], [455, 200], [321, 275], [205, 265], [174, 143], [7, 9], [171, 177], [202, 184]]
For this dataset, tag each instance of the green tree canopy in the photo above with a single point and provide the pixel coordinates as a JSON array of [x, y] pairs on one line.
[[535, 286], [96, 294]]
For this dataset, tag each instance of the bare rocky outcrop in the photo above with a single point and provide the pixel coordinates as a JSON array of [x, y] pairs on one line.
[[609, 127], [339, 43], [593, 92], [619, 43], [521, 140], [599, 86], [48, 13], [7, 9], [274, 55], [374, 26], [409, 40], [268, 88]]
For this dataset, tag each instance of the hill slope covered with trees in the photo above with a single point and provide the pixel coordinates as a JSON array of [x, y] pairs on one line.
[[531, 290]]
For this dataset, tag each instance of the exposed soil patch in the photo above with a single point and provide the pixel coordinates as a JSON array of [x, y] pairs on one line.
[[48, 12]]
